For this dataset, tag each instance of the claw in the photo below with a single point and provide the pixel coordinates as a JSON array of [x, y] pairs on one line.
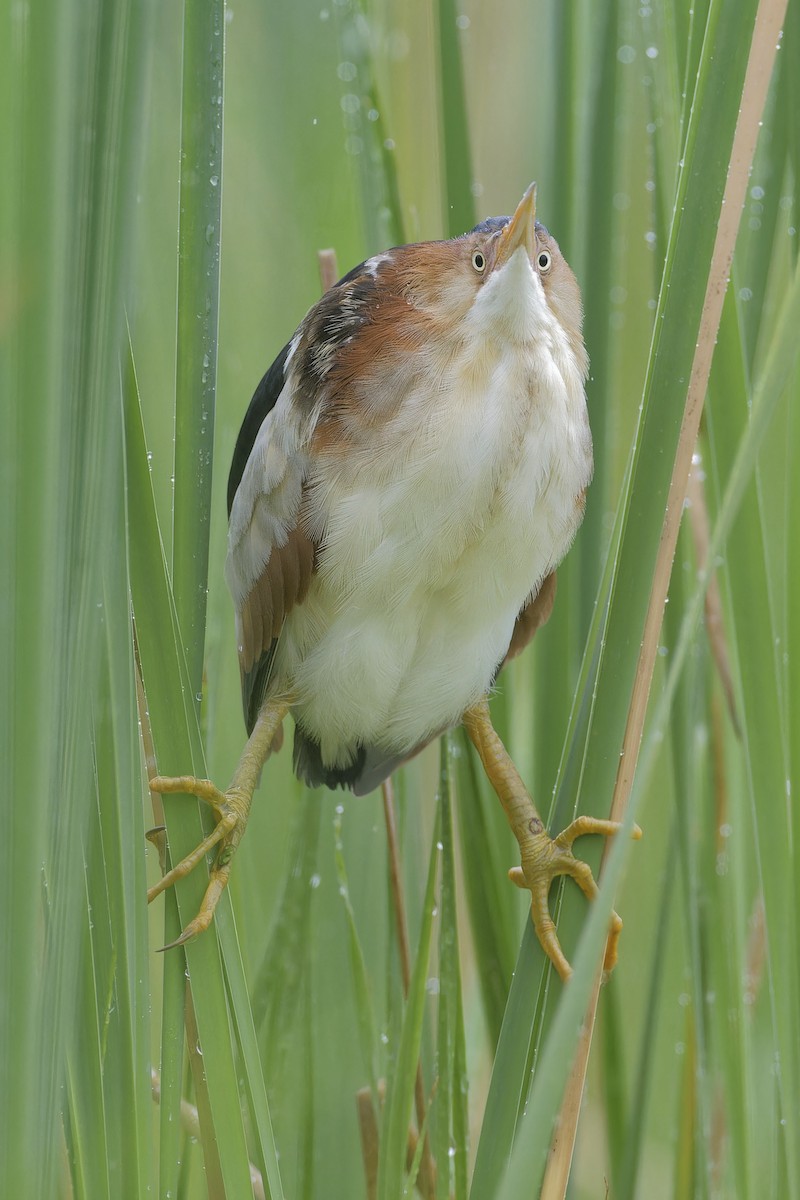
[[543, 857], [231, 810], [546, 858]]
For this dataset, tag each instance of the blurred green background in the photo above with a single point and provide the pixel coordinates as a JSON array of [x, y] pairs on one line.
[[354, 126]]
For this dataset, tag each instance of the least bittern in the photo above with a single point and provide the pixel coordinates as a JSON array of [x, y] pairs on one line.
[[410, 472]]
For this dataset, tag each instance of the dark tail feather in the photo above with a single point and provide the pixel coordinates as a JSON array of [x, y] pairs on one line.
[[309, 767], [368, 769]]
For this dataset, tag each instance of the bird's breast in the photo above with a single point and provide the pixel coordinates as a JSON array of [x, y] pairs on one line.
[[486, 450], [432, 536]]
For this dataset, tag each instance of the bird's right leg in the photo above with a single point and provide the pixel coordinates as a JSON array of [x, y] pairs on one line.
[[231, 809], [543, 858]]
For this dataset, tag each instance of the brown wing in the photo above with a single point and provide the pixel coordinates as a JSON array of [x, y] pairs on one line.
[[283, 583], [535, 613]]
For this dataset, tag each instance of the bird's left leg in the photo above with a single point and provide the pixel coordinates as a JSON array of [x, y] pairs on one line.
[[543, 857], [231, 809]]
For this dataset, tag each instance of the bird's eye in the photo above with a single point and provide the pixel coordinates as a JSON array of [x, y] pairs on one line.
[[479, 262], [544, 262]]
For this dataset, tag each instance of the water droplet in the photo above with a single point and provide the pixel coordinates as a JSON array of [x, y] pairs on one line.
[[626, 54], [315, 881], [214, 180]]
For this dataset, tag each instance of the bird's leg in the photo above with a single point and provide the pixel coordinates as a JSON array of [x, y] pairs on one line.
[[543, 857], [231, 809]]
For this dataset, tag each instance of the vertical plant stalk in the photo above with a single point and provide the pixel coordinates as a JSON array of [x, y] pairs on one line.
[[427, 1170], [768, 23], [198, 317], [328, 269], [715, 626], [459, 204], [205, 1127]]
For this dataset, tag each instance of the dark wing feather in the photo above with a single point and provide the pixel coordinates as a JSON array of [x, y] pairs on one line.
[[265, 397]]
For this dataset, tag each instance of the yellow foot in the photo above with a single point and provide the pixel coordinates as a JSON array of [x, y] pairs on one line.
[[231, 809], [543, 859]]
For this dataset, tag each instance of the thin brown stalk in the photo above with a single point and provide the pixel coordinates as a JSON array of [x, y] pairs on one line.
[[427, 1169], [368, 1129], [328, 270], [766, 31]]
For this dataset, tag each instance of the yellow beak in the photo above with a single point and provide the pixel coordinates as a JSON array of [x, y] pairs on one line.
[[520, 230]]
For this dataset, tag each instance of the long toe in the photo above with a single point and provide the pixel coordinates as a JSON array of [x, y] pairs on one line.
[[546, 858]]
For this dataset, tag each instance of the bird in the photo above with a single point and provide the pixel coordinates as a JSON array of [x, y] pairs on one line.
[[410, 472]]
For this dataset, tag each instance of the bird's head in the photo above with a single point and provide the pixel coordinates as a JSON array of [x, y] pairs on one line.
[[408, 313], [505, 280]]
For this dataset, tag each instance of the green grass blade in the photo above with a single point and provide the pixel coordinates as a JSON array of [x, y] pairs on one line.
[[361, 985], [450, 1110], [198, 317], [69, 69], [400, 1089], [459, 214], [627, 1165], [599, 269], [487, 847], [765, 751], [367, 141]]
